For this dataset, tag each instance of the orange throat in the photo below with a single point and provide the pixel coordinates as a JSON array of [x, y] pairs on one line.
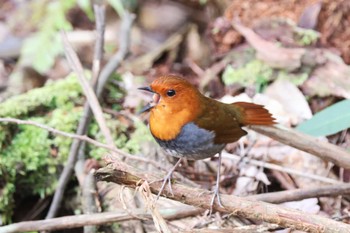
[[166, 125]]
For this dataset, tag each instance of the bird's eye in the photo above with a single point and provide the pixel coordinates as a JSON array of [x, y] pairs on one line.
[[170, 93]]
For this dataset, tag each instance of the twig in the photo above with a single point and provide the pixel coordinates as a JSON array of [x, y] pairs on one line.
[[75, 221], [95, 107], [100, 16], [84, 121], [321, 149], [115, 61], [72, 157], [88, 185], [212, 72], [73, 60], [85, 139], [240, 229], [300, 194], [255, 210], [280, 168], [89, 199]]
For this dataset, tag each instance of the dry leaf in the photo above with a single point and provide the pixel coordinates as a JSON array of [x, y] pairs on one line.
[[309, 205], [292, 100], [270, 53], [330, 79], [248, 180]]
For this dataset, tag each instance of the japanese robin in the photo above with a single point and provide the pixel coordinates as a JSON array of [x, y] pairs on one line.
[[187, 124]]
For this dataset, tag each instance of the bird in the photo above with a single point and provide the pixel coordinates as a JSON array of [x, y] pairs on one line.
[[189, 125]]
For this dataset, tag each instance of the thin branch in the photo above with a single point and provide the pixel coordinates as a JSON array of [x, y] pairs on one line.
[[72, 157], [321, 149], [89, 199], [98, 114], [73, 60], [280, 168], [115, 61], [83, 138], [100, 15], [76, 221], [85, 120], [240, 229], [242, 207], [300, 194]]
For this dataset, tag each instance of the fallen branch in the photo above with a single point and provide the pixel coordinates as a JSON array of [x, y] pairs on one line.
[[238, 206], [300, 194], [321, 149], [76, 221], [240, 229]]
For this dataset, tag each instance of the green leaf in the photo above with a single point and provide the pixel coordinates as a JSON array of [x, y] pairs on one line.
[[329, 121]]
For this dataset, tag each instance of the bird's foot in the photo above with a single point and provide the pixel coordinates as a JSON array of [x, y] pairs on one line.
[[216, 196], [167, 179]]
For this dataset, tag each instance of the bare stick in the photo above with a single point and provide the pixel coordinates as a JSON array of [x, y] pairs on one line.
[[95, 107], [115, 61], [251, 209], [321, 149], [84, 122], [84, 138], [89, 199], [75, 221], [88, 91], [240, 229], [72, 157], [300, 194], [280, 168], [100, 16]]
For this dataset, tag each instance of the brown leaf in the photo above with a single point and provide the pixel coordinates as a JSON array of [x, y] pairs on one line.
[[330, 79], [274, 56]]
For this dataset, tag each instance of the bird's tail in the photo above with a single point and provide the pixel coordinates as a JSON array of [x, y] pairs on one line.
[[253, 114]]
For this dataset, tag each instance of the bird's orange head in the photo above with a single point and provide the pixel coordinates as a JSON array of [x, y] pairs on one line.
[[175, 103]]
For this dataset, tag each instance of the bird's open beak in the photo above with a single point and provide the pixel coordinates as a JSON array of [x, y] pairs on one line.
[[149, 89], [153, 103]]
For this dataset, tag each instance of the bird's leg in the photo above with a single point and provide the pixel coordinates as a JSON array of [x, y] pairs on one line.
[[217, 187], [167, 179]]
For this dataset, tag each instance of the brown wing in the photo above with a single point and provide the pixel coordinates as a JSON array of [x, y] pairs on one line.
[[218, 117]]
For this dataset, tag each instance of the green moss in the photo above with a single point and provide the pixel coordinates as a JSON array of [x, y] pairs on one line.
[[55, 94], [305, 37], [35, 157], [255, 72], [31, 158], [117, 130], [140, 135]]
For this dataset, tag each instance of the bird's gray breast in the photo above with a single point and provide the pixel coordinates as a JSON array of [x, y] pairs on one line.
[[192, 143]]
